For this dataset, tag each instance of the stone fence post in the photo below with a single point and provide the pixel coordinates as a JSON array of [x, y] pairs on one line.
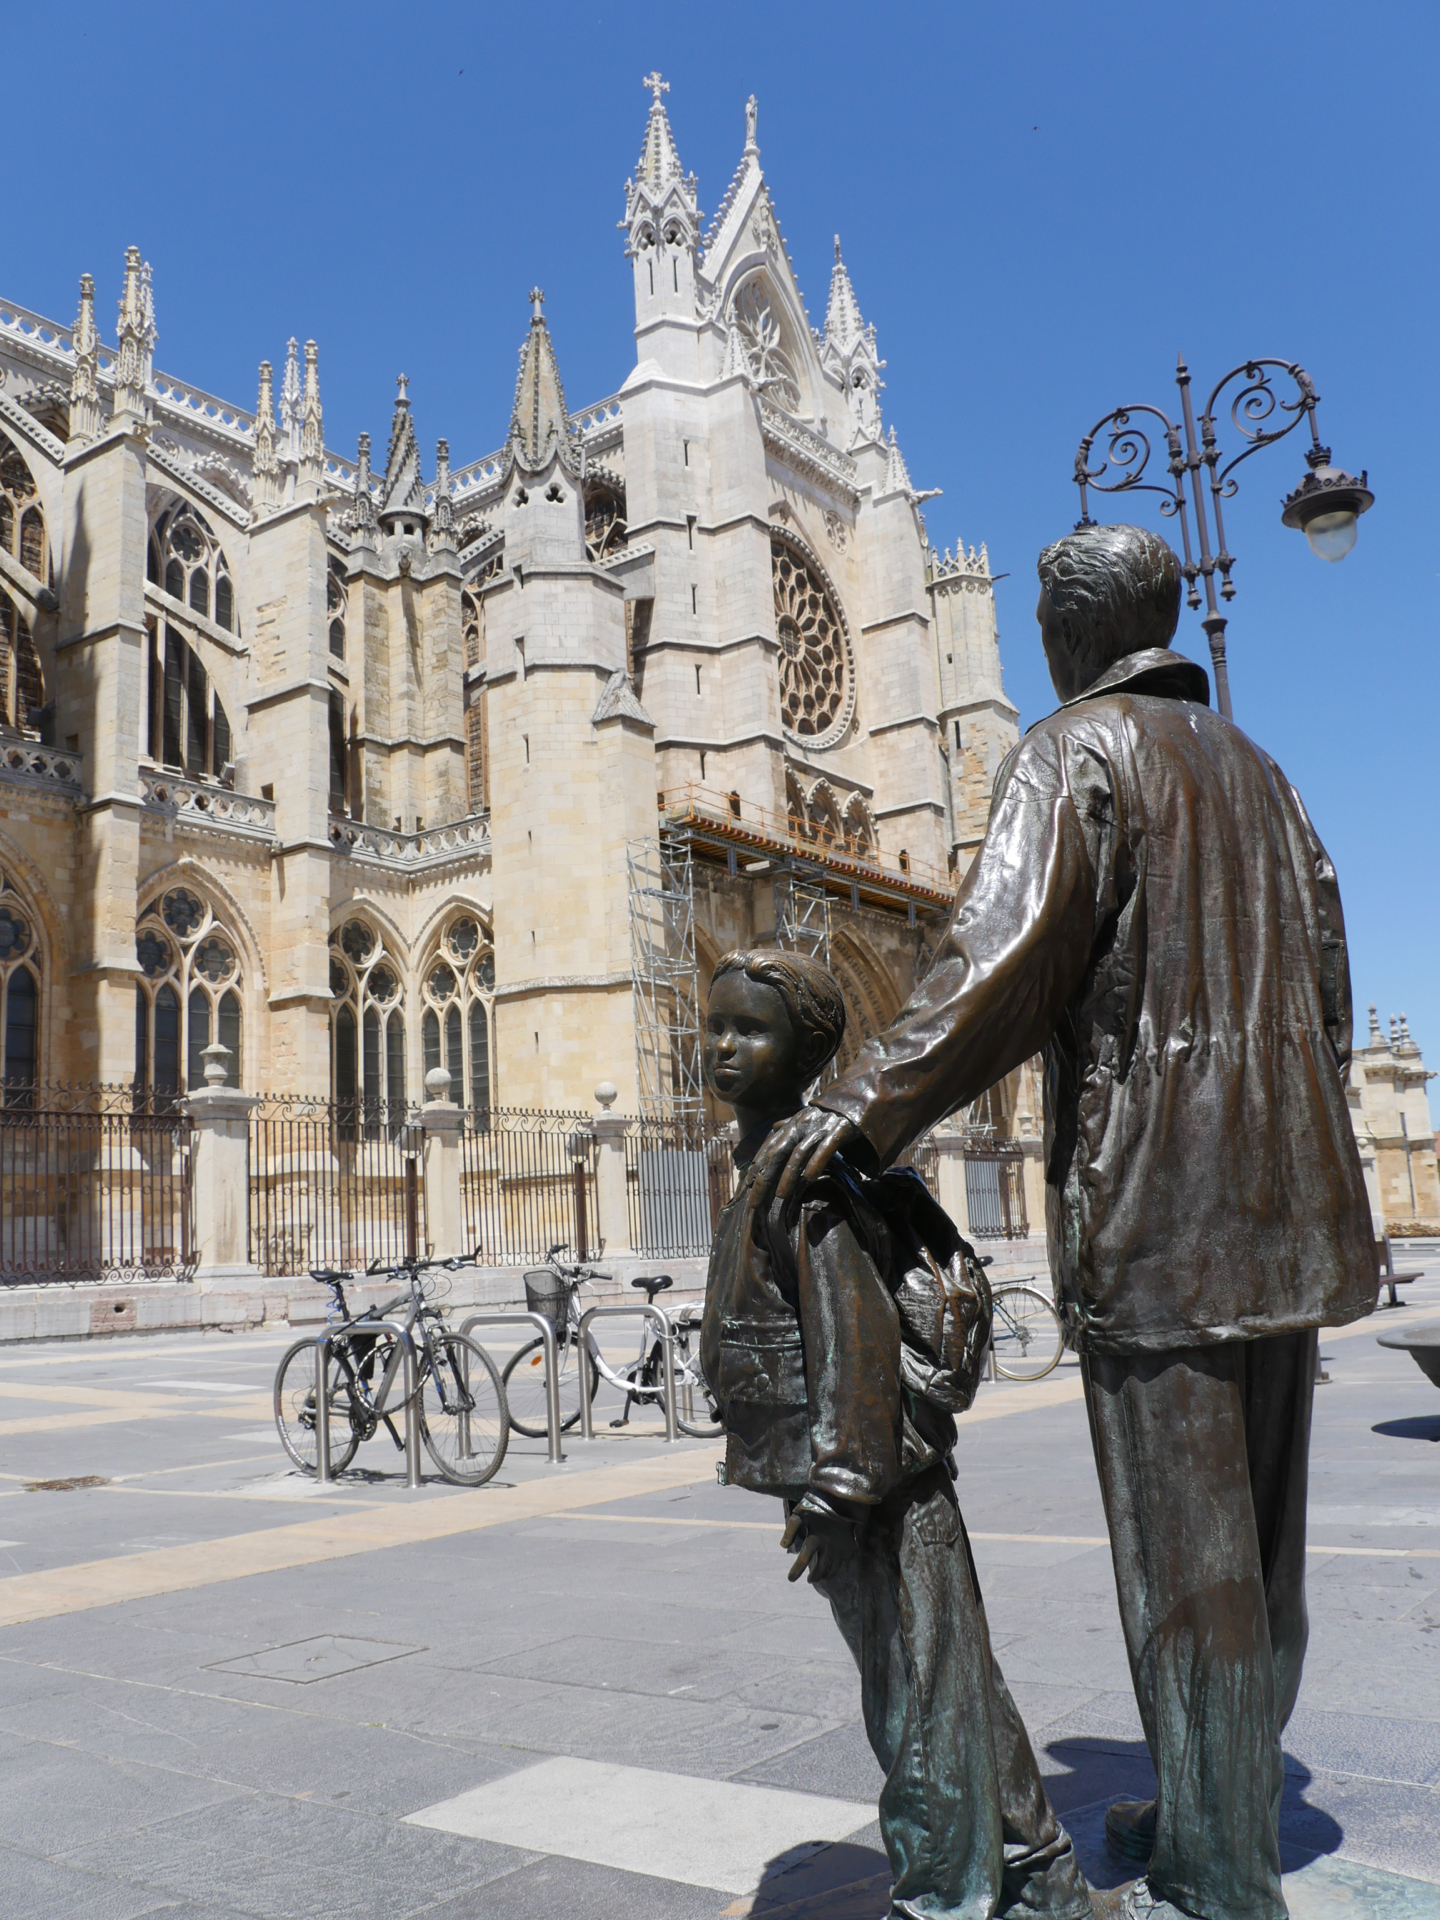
[[950, 1178], [442, 1121], [612, 1200], [220, 1177]]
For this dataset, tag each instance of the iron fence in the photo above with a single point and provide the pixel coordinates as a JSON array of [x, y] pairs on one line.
[[94, 1186], [527, 1183], [333, 1183], [995, 1192]]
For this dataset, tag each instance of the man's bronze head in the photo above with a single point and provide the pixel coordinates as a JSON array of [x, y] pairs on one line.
[[1104, 592]]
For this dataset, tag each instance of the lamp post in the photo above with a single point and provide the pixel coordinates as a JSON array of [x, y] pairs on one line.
[[1325, 506]]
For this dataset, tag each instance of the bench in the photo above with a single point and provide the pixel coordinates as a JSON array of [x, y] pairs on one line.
[[1389, 1277]]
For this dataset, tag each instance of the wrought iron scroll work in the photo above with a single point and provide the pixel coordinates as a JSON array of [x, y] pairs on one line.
[[1130, 449], [1255, 403]]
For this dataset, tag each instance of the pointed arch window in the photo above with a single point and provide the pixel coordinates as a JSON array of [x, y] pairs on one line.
[[189, 728], [458, 1025], [337, 605], [367, 1033], [22, 519], [22, 683], [190, 994], [188, 562], [19, 998]]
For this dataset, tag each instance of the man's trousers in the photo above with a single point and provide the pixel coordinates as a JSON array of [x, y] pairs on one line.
[[967, 1825], [1203, 1455]]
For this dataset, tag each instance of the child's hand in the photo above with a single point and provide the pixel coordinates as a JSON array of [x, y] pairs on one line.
[[821, 1539]]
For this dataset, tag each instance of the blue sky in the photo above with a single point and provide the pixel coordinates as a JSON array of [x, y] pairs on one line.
[[1040, 205]]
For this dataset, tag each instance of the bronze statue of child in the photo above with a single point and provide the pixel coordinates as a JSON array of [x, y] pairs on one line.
[[836, 1399]]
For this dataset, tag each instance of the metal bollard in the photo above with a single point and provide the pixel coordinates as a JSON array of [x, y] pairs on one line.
[[412, 1415], [552, 1366], [667, 1371]]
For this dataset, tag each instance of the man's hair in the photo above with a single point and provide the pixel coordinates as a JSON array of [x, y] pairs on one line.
[[811, 995], [1116, 590]]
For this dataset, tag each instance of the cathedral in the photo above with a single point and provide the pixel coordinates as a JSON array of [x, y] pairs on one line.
[[358, 768]]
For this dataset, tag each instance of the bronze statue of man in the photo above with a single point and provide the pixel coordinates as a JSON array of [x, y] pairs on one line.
[[824, 1372], [1152, 908]]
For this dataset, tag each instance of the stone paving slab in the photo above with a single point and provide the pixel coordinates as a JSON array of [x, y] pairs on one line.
[[620, 1612]]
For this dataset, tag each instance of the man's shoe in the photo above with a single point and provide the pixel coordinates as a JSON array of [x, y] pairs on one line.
[[1130, 1829]]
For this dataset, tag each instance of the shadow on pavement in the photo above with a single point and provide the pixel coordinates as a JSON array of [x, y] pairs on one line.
[[1423, 1427]]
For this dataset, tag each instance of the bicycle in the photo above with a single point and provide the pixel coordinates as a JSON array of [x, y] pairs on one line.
[[552, 1290], [463, 1418], [1024, 1318]]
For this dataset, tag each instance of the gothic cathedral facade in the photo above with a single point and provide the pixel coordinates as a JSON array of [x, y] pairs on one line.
[[352, 773]]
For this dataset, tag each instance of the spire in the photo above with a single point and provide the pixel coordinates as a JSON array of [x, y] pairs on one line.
[[363, 527], [267, 467], [404, 489], [291, 405], [312, 431], [443, 512], [843, 325], [85, 380], [130, 361], [659, 161], [540, 420]]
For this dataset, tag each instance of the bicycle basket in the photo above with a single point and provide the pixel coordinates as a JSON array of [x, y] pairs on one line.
[[546, 1293]]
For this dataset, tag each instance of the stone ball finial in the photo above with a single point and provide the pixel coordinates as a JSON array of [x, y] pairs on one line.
[[607, 1093], [437, 1084], [215, 1057]]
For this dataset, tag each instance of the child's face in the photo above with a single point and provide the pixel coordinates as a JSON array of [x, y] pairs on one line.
[[752, 1059]]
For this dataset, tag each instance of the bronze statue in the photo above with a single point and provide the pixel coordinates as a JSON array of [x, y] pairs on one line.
[[839, 1335], [1151, 906]]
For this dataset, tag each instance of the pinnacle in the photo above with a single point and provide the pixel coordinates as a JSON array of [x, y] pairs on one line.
[[540, 419], [659, 160], [843, 324]]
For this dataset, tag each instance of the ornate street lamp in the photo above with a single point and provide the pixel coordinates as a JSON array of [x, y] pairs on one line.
[[1325, 506]]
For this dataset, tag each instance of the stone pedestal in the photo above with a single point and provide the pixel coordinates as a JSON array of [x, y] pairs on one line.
[[220, 1175], [442, 1122]]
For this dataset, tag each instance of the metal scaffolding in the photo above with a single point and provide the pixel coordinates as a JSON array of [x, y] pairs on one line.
[[802, 915], [666, 979]]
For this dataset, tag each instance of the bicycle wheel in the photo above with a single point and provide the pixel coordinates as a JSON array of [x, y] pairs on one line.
[[295, 1408], [696, 1413], [525, 1389], [464, 1421], [1027, 1336]]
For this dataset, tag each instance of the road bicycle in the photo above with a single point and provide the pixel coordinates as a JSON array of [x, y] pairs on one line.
[[1027, 1335], [553, 1290], [463, 1418]]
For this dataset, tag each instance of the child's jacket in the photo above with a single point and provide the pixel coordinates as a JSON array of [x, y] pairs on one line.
[[801, 1346]]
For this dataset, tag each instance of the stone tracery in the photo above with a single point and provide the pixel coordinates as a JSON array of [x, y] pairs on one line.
[[457, 988], [763, 337], [817, 681], [19, 997], [189, 994]]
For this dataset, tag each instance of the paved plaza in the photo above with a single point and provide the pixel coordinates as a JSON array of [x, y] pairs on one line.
[[589, 1690]]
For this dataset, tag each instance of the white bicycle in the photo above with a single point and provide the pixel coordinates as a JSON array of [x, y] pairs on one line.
[[554, 1291]]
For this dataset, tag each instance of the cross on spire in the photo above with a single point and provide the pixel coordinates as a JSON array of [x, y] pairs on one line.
[[537, 301], [656, 85]]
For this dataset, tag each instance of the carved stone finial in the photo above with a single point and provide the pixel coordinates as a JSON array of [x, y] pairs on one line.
[[607, 1093], [537, 304], [85, 379], [215, 1057], [363, 522], [291, 401], [402, 384], [656, 85], [437, 1084], [267, 466], [443, 512], [130, 361], [752, 115], [312, 435], [1375, 1040]]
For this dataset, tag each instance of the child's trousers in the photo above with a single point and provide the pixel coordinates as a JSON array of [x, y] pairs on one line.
[[967, 1824]]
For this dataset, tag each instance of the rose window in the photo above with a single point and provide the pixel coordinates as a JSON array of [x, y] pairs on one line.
[[816, 680]]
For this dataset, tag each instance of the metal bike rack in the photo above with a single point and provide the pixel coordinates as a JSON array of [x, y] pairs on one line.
[[662, 1322], [323, 1343], [552, 1365]]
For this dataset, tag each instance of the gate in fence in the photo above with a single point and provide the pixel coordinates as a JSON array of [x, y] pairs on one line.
[[995, 1192], [333, 1183], [94, 1186]]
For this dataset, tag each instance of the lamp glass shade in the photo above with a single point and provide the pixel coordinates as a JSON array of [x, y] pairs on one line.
[[1332, 535]]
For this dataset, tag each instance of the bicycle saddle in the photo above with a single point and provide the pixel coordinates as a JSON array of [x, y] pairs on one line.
[[656, 1285]]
